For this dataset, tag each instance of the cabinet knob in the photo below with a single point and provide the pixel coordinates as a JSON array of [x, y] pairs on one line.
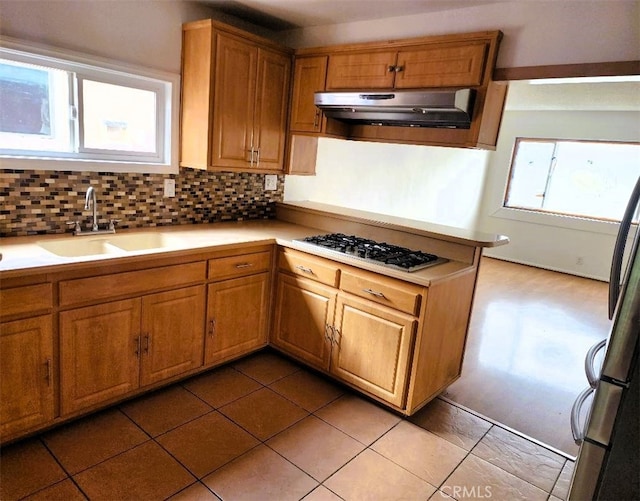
[[391, 68], [398, 69]]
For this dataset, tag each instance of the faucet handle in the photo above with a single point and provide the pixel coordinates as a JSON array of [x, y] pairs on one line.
[[112, 224], [76, 226]]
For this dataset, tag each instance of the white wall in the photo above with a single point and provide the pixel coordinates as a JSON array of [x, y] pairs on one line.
[[144, 32], [550, 241], [535, 32], [440, 185]]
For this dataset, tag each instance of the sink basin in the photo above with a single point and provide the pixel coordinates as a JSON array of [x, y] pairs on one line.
[[144, 241], [78, 247]]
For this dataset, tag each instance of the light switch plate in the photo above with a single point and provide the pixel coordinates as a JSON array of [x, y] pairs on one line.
[[270, 182], [170, 188]]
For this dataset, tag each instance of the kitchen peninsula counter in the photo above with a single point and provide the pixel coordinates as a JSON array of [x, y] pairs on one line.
[[110, 316], [27, 255]]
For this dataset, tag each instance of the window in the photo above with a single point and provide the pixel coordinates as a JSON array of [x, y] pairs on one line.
[[585, 179], [68, 112]]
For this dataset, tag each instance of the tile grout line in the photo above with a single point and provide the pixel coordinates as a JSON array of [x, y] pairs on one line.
[[69, 476]]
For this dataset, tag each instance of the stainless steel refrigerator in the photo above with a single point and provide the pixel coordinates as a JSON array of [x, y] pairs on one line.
[[608, 466]]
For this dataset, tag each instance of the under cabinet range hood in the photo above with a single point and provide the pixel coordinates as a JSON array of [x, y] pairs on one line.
[[434, 108]]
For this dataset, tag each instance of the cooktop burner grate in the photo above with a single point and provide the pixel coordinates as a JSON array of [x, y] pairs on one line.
[[383, 253]]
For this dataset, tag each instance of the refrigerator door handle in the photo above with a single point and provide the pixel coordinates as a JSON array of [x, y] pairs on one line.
[[589, 362], [578, 431], [618, 250]]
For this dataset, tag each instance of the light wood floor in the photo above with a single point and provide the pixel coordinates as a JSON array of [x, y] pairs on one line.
[[524, 363]]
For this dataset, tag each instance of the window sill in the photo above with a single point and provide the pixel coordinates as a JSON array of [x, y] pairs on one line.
[[557, 220], [54, 164]]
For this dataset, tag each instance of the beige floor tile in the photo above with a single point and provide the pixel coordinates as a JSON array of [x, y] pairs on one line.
[[266, 367], [553, 498], [372, 477], [164, 410], [451, 423], [315, 447], [307, 390], [475, 478], [93, 439], [523, 458], [422, 453], [207, 443], [146, 472], [221, 386], [62, 491], [561, 489], [260, 474], [27, 467], [264, 413], [195, 492], [362, 420], [321, 493]]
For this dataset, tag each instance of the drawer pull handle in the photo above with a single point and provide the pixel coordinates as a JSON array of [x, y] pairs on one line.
[[212, 327], [244, 265], [137, 349], [147, 343], [374, 293], [328, 332], [304, 269]]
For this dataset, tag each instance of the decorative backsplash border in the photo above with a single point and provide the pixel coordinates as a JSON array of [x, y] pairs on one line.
[[42, 202]]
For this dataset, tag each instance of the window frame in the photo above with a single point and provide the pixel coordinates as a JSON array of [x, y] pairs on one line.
[[166, 86], [551, 217]]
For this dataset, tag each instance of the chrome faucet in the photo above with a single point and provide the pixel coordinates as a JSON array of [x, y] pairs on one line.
[[90, 202]]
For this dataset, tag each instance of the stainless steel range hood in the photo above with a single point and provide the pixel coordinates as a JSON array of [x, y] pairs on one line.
[[435, 108]]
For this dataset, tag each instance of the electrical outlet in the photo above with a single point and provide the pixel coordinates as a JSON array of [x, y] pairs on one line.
[[169, 188], [270, 182]]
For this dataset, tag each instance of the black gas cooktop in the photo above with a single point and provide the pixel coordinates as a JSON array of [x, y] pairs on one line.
[[383, 253]]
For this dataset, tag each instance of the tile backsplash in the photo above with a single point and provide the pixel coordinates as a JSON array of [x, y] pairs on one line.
[[41, 202]]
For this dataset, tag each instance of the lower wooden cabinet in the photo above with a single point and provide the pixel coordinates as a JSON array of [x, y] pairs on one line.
[[237, 317], [304, 312], [172, 333], [372, 347], [109, 350], [26, 380]]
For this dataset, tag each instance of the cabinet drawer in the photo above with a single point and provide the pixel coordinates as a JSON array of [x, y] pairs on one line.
[[302, 264], [27, 299], [84, 290], [237, 266], [388, 291]]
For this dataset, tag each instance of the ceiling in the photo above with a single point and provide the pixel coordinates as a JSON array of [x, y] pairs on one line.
[[280, 15]]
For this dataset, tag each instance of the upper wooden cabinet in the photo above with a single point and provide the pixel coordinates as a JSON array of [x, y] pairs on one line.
[[235, 99], [450, 65], [309, 77], [445, 61]]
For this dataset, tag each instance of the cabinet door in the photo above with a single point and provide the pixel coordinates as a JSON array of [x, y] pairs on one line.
[[368, 70], [309, 77], [26, 383], [237, 316], [172, 338], [272, 106], [448, 66], [372, 347], [234, 102], [304, 311], [99, 350]]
